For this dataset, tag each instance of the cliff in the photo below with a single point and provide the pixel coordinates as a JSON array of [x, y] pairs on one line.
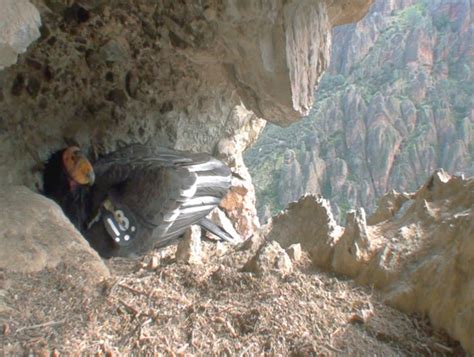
[[396, 103]]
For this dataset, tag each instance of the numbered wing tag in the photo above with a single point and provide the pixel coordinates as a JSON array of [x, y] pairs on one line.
[[120, 223]]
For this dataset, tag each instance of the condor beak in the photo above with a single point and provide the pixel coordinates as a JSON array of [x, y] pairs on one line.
[[78, 167], [82, 172]]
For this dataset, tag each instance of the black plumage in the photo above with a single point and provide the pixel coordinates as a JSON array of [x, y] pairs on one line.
[[156, 192], [75, 203]]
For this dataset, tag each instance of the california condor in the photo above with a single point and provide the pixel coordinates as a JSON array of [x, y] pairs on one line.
[[138, 197]]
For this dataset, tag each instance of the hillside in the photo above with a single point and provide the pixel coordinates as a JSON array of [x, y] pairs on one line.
[[396, 103]]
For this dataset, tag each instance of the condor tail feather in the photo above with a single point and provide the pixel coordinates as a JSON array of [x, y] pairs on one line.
[[210, 226]]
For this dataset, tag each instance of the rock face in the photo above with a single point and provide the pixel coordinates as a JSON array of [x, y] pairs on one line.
[[396, 103], [419, 254], [35, 235], [291, 180], [19, 27], [239, 204]]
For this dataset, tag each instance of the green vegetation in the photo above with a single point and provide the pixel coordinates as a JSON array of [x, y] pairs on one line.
[[410, 16], [442, 23]]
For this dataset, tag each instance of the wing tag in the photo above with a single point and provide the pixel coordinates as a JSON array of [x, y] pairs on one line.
[[119, 222]]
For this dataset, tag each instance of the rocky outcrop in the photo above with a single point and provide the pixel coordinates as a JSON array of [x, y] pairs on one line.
[[35, 235], [239, 204], [290, 185], [19, 27], [299, 223], [341, 12], [395, 105], [417, 249]]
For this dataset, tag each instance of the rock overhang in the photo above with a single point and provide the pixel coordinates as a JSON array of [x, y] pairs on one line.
[[165, 73]]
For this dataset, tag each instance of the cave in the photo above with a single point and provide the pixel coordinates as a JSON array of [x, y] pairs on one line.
[[199, 76]]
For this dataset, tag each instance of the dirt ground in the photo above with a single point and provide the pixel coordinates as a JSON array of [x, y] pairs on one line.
[[154, 306]]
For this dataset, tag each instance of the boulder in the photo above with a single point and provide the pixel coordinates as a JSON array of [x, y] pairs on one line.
[[19, 27], [36, 235], [271, 257], [256, 241], [283, 263], [354, 248]]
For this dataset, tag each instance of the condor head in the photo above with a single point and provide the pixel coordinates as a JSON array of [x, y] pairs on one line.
[[77, 167]]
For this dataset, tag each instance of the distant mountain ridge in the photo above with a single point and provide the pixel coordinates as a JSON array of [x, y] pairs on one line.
[[396, 103]]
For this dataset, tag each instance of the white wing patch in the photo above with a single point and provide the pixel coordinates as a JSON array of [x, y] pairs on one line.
[[203, 181], [201, 201], [206, 166]]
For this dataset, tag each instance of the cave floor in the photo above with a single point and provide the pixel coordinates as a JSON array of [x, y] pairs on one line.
[[155, 306]]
